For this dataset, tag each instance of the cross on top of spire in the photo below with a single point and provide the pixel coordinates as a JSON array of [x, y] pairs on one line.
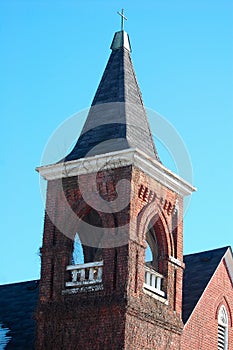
[[123, 18]]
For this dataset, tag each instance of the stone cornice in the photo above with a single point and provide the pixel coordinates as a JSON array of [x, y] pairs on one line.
[[118, 159]]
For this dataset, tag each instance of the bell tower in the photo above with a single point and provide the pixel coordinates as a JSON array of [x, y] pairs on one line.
[[112, 254]]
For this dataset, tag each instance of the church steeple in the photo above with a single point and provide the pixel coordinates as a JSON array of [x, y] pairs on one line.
[[117, 119], [123, 210]]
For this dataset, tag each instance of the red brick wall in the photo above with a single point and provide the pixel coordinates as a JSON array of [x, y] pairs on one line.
[[144, 335], [79, 323], [121, 316], [142, 212], [201, 330]]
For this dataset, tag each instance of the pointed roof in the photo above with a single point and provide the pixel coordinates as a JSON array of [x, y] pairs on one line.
[[117, 119], [199, 269]]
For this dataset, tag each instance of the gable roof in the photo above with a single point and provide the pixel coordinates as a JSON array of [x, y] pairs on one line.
[[18, 303], [117, 118], [199, 268]]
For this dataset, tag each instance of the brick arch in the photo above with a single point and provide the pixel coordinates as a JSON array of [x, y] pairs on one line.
[[150, 216], [72, 223], [170, 236], [81, 213], [73, 212], [70, 210], [160, 235], [80, 210]]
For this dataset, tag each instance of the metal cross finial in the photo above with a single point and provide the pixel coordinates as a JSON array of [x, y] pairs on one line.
[[122, 18]]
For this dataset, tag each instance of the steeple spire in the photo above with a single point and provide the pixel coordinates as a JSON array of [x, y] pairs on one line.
[[117, 119], [121, 38]]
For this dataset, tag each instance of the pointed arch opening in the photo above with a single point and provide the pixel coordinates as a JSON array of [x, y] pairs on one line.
[[156, 246], [155, 261], [77, 254], [86, 261], [86, 246], [152, 250]]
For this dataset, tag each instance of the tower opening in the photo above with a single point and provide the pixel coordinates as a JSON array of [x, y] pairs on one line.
[[152, 250], [77, 255], [86, 247]]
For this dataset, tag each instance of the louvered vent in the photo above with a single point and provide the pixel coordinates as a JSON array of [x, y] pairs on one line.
[[221, 337], [222, 328]]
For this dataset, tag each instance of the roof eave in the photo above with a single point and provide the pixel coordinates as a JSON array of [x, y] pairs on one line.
[[111, 160]]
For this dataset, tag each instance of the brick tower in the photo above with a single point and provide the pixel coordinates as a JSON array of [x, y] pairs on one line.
[[112, 255]]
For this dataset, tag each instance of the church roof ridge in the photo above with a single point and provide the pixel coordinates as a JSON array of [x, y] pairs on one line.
[[223, 249]]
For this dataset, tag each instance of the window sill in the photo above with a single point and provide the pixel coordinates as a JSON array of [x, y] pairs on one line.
[[154, 295]]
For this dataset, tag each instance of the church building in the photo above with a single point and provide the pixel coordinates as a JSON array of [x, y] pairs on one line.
[[113, 274]]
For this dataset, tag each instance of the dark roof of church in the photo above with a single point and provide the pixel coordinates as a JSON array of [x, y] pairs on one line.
[[18, 302], [199, 268], [117, 119]]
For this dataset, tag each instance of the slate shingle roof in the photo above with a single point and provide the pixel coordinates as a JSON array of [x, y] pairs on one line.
[[18, 303], [117, 119], [199, 268]]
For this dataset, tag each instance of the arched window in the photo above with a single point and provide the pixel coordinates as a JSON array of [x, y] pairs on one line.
[[152, 250], [222, 329], [77, 256], [83, 254], [86, 246], [153, 276]]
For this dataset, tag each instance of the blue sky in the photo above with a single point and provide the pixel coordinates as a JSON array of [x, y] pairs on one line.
[[53, 54]]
